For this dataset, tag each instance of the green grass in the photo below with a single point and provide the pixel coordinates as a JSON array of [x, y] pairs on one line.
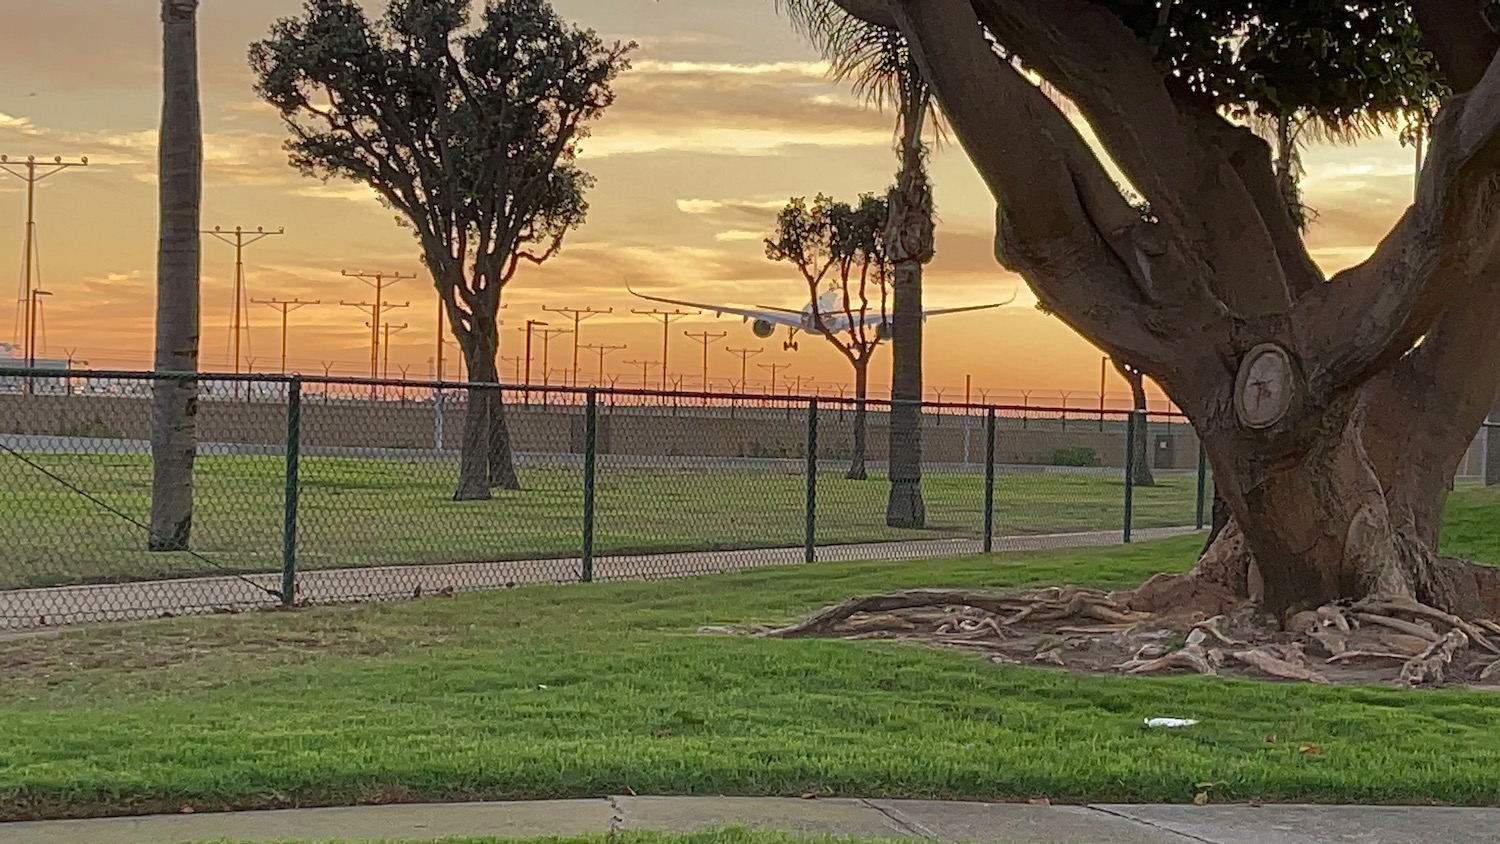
[[588, 690], [357, 512]]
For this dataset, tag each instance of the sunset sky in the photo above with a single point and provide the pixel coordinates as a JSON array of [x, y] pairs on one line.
[[725, 115]]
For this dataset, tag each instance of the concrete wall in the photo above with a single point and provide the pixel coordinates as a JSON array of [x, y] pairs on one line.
[[633, 430]]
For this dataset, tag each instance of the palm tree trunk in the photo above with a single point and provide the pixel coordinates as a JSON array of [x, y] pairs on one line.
[[174, 403], [909, 243]]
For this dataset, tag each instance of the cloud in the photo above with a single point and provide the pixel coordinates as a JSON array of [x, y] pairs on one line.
[[737, 235]]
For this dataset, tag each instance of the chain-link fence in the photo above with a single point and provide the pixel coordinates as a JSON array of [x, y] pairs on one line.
[[308, 490]]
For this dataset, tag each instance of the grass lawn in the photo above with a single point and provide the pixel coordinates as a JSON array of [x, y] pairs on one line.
[[588, 690], [357, 512], [717, 836]]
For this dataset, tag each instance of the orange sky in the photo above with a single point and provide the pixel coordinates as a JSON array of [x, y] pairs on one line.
[[725, 115]]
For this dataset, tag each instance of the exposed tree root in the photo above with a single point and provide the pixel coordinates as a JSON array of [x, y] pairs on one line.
[[1394, 640]]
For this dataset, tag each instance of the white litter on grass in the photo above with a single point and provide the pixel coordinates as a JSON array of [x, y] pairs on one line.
[[1170, 722]]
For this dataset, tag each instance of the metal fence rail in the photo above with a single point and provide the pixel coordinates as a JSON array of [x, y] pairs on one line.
[[311, 490]]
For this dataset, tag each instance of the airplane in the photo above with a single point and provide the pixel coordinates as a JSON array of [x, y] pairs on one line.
[[829, 306]]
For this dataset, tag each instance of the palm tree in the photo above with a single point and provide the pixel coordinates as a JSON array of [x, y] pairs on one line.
[[174, 402], [883, 71]]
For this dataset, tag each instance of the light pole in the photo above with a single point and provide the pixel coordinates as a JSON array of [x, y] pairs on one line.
[[531, 325], [547, 335], [32, 308]]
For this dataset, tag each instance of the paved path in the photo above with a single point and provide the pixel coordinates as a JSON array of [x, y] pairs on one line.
[[33, 608], [978, 823]]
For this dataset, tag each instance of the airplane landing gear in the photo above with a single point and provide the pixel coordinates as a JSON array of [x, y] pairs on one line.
[[789, 346]]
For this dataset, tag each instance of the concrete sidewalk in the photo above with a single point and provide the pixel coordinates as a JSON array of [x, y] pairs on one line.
[[979, 823]]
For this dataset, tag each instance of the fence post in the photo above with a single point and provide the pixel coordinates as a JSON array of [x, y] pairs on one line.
[[437, 425], [989, 481], [1130, 424], [289, 520], [810, 530], [590, 467], [1202, 480]]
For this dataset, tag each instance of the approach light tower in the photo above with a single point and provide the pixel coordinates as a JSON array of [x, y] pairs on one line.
[[32, 171]]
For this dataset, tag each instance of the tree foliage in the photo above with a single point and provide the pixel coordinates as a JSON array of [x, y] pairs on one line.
[[471, 133], [841, 246]]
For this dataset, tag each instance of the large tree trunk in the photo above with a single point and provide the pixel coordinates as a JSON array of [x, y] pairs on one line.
[[501, 461], [174, 403], [485, 460], [1355, 512], [1333, 410], [909, 242], [861, 389]]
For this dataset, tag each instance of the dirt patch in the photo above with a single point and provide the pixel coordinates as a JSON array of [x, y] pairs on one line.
[[1359, 643], [200, 646]]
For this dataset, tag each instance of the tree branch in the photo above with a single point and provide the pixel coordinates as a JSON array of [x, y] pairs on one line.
[[1459, 36], [1090, 55], [1372, 314], [1061, 222], [1249, 156]]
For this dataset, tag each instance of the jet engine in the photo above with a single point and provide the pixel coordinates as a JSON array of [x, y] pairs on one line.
[[884, 331], [764, 328]]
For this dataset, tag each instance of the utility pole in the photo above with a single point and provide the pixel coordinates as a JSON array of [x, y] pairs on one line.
[[285, 306], [239, 239], [645, 366], [531, 325], [667, 318], [774, 368], [602, 351], [706, 337], [578, 315], [33, 312], [377, 282], [385, 371], [547, 335], [376, 311], [27, 172], [744, 355]]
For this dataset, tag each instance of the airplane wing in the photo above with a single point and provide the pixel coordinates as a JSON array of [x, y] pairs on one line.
[[940, 311], [873, 319], [778, 316]]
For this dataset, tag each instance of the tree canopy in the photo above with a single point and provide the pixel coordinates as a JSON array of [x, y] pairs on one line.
[[467, 125], [840, 245], [471, 132]]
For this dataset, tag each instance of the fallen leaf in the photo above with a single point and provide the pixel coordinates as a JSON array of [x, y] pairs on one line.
[[1310, 749], [1204, 786], [1039, 801], [627, 791], [809, 795], [187, 810], [1255, 803], [1270, 738], [1200, 799]]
